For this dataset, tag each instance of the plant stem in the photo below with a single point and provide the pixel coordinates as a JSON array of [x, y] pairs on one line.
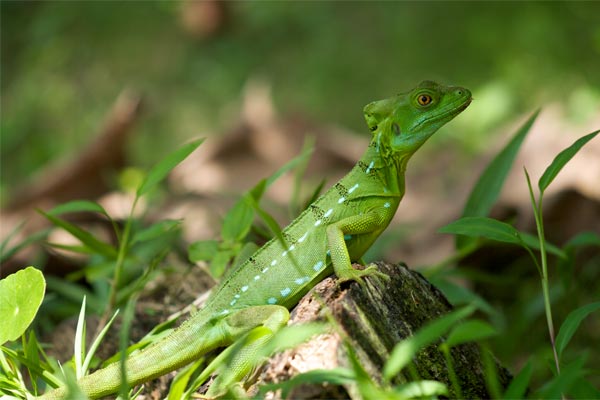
[[545, 288], [539, 222]]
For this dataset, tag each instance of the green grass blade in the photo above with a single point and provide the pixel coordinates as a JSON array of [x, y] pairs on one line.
[[483, 227], [403, 352], [518, 386], [571, 323], [469, 331], [79, 342], [561, 159], [78, 206], [160, 170], [421, 389], [488, 187], [84, 237]]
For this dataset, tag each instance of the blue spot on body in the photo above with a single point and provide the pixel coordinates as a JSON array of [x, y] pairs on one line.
[[317, 267], [271, 300], [286, 291]]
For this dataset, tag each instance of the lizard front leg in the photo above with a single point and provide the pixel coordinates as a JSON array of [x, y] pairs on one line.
[[372, 222]]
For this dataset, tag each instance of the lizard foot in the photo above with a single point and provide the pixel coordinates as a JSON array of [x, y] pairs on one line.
[[357, 275]]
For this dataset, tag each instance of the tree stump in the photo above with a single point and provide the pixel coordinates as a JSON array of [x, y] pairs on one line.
[[374, 319]]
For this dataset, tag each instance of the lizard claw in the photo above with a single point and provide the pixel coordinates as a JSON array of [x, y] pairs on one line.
[[358, 274]]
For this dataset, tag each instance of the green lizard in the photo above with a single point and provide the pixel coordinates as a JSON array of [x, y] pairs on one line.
[[252, 303]]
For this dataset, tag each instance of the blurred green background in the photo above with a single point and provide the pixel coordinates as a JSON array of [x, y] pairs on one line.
[[64, 63]]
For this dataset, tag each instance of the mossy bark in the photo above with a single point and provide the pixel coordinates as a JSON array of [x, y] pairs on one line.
[[373, 319]]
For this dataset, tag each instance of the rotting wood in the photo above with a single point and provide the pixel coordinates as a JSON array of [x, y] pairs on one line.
[[374, 319]]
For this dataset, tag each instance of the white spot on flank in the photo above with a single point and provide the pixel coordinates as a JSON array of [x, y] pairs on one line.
[[370, 166], [224, 312], [318, 222], [329, 212], [302, 280], [237, 296], [317, 267], [273, 263], [244, 288], [292, 247], [378, 140], [328, 253], [286, 291], [303, 238], [341, 200], [284, 254], [233, 302], [264, 270], [272, 300], [257, 277], [387, 205], [353, 188]]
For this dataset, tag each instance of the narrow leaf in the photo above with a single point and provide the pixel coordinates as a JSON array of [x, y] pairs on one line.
[[469, 331], [534, 242], [483, 227], [518, 386], [238, 221], [571, 323], [84, 237], [421, 389], [202, 250], [561, 159], [160, 170], [155, 230], [78, 206], [404, 351], [488, 187]]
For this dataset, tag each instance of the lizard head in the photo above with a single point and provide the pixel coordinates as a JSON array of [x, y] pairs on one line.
[[401, 124]]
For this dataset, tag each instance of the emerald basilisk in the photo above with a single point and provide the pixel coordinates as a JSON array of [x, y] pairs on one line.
[[252, 303]]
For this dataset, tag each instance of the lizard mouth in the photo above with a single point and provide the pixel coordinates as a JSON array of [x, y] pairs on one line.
[[454, 108]]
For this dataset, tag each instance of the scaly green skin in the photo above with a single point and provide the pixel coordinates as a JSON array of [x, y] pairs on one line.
[[339, 227]]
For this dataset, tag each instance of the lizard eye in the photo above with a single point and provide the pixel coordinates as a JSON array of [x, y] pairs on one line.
[[424, 99]]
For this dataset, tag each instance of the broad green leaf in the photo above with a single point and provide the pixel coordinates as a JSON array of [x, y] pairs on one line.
[[21, 295], [488, 187], [518, 386], [219, 262], [469, 331], [561, 159], [160, 170], [155, 230], [202, 250], [484, 227], [84, 237], [420, 389], [403, 352], [238, 221], [571, 323], [78, 206]]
